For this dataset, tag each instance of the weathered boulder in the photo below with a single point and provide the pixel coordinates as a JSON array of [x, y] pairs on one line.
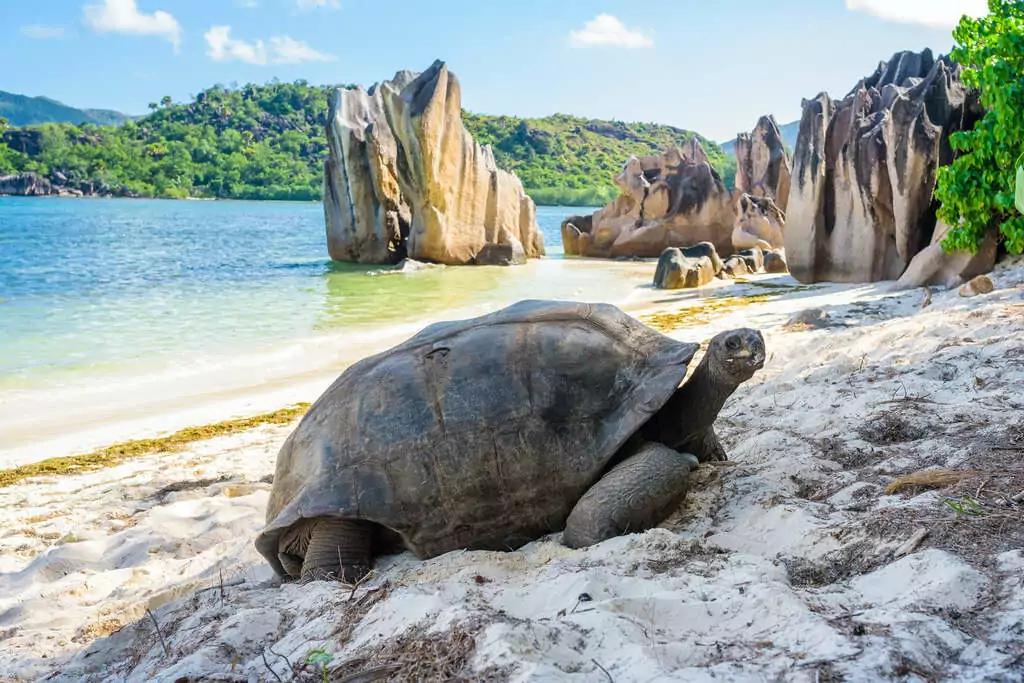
[[25, 185], [759, 223], [735, 266], [676, 271], [404, 178], [762, 165], [934, 266], [754, 258], [670, 200], [861, 204], [508, 252], [775, 262], [704, 249]]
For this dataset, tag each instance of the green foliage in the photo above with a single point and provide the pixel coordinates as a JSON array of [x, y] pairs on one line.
[[29, 111], [268, 142], [568, 160], [977, 189], [322, 657], [256, 142]]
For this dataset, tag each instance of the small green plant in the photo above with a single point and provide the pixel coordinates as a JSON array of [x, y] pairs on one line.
[[320, 657], [965, 506]]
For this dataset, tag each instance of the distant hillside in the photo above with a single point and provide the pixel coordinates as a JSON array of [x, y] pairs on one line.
[[268, 142], [20, 110], [568, 160], [789, 133]]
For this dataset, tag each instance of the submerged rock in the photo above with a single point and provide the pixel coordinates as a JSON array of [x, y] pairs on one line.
[[404, 177], [405, 266], [864, 170], [670, 200]]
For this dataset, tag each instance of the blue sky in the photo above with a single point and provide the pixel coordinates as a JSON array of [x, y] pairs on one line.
[[712, 66]]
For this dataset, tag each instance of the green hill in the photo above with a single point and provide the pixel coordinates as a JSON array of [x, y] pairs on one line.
[[20, 110], [568, 160], [268, 142]]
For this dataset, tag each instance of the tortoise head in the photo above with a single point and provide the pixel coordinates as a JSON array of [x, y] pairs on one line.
[[735, 355]]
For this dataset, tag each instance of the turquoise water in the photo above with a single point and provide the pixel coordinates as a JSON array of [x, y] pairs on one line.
[[94, 285]]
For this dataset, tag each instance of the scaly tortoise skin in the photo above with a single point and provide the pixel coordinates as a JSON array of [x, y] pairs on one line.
[[491, 432]]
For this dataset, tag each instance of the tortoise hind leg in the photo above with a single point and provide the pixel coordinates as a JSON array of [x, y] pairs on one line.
[[635, 495], [339, 549]]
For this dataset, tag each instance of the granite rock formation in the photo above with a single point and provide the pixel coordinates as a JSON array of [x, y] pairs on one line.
[[861, 204], [404, 178], [674, 199], [759, 223], [933, 266], [762, 165], [25, 185], [677, 271]]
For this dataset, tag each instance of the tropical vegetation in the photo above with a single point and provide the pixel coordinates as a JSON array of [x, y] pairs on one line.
[[268, 142], [976, 191]]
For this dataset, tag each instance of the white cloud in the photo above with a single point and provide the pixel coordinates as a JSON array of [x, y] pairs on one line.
[[123, 16], [932, 13], [313, 4], [287, 50], [283, 49], [607, 30], [41, 32], [224, 48]]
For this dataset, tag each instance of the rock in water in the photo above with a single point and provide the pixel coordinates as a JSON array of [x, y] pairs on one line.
[[404, 178], [864, 169], [676, 271], [762, 165], [670, 200], [25, 185], [759, 223], [775, 262]]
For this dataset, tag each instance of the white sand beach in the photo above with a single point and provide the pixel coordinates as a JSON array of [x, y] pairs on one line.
[[792, 563]]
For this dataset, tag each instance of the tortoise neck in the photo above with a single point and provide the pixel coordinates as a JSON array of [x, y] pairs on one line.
[[693, 407]]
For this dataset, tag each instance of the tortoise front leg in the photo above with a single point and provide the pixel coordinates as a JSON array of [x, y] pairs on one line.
[[635, 495], [339, 549]]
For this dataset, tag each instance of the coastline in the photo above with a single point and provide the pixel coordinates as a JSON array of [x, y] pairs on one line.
[[79, 416], [801, 525]]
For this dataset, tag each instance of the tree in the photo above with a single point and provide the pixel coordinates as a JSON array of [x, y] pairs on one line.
[[165, 101], [977, 190]]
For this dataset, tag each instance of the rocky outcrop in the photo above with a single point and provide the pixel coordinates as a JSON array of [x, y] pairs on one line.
[[404, 178], [762, 165], [26, 185], [775, 262], [861, 204], [759, 223], [677, 271], [674, 199], [934, 266]]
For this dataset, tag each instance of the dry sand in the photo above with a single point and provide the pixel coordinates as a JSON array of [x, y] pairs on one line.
[[791, 564]]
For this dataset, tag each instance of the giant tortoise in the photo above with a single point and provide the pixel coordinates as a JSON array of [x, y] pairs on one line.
[[491, 432]]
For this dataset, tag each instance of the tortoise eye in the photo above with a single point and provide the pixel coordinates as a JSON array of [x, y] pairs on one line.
[[732, 343]]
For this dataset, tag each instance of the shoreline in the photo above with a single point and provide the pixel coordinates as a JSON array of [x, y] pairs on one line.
[[55, 418], [803, 540], [228, 199]]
